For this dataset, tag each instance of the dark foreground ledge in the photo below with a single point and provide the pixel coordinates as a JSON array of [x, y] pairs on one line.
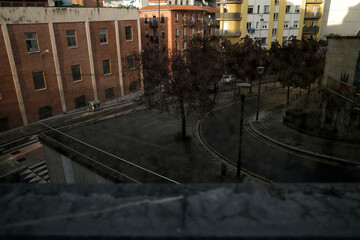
[[179, 211]]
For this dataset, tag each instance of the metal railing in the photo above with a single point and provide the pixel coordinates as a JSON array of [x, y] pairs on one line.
[[228, 16], [343, 90], [314, 29], [99, 160], [312, 15]]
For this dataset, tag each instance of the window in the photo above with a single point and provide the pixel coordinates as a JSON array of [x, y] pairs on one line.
[[184, 45], [106, 67], [176, 33], [102, 34], [297, 8], [4, 124], [296, 24], [258, 10], [169, 2], [276, 16], [80, 101], [155, 47], [147, 47], [184, 18], [193, 32], [128, 33], [39, 82], [265, 25], [250, 9], [45, 112], [176, 2], [187, 2], [176, 18], [162, 19], [133, 86], [287, 10], [277, 2], [286, 25], [76, 73], [184, 32], [274, 31], [162, 33], [248, 25], [263, 40], [284, 39], [304, 24], [313, 23], [266, 9], [130, 62], [109, 92], [146, 33], [71, 38], [177, 47], [146, 20], [31, 42], [197, 17], [257, 25]]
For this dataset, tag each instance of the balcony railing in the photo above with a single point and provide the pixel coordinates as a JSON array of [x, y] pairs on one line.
[[228, 16], [230, 34], [309, 15], [184, 23], [153, 24], [314, 1], [231, 1], [314, 29]]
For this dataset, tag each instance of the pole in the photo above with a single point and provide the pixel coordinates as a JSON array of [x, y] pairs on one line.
[[258, 102], [238, 165]]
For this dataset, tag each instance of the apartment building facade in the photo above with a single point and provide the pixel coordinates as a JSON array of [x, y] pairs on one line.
[[312, 18], [57, 60], [178, 25], [24, 3], [269, 20]]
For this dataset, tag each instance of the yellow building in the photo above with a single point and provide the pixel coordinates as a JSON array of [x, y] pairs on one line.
[[269, 20]]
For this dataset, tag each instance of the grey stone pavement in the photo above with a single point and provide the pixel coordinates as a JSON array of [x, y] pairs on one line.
[[271, 128], [279, 211]]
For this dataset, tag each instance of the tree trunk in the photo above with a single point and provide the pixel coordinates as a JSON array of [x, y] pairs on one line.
[[309, 89], [215, 91], [183, 121], [288, 96]]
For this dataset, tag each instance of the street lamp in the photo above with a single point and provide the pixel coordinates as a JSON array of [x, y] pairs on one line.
[[260, 71], [242, 96]]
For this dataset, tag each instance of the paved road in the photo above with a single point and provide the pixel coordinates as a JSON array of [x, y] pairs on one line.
[[220, 130]]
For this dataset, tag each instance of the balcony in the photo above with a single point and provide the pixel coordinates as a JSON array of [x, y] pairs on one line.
[[192, 23], [235, 16], [311, 15], [184, 23], [230, 34], [314, 29], [314, 1], [153, 24]]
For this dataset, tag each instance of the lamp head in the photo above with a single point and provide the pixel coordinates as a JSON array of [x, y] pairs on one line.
[[260, 69]]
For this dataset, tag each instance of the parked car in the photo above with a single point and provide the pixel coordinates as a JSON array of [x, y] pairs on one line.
[[227, 79]]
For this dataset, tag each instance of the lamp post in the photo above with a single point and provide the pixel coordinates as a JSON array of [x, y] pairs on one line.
[[260, 71], [242, 96]]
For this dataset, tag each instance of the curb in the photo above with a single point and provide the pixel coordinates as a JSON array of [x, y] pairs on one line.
[[331, 160]]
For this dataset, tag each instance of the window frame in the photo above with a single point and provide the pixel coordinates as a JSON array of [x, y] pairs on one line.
[[132, 65], [126, 33], [109, 65], [68, 36], [72, 73], [43, 79], [31, 40], [101, 35]]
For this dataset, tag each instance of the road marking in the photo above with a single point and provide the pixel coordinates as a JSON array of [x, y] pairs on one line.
[[283, 149], [225, 158]]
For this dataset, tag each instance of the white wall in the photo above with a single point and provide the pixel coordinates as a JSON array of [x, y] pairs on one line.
[[341, 17]]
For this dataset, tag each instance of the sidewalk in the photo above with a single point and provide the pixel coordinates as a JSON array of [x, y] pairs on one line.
[[271, 128]]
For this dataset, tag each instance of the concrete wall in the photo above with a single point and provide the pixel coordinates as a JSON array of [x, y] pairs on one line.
[[341, 57], [64, 170], [341, 17]]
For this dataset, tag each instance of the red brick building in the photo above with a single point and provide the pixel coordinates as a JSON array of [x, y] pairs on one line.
[[56, 61], [178, 25]]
